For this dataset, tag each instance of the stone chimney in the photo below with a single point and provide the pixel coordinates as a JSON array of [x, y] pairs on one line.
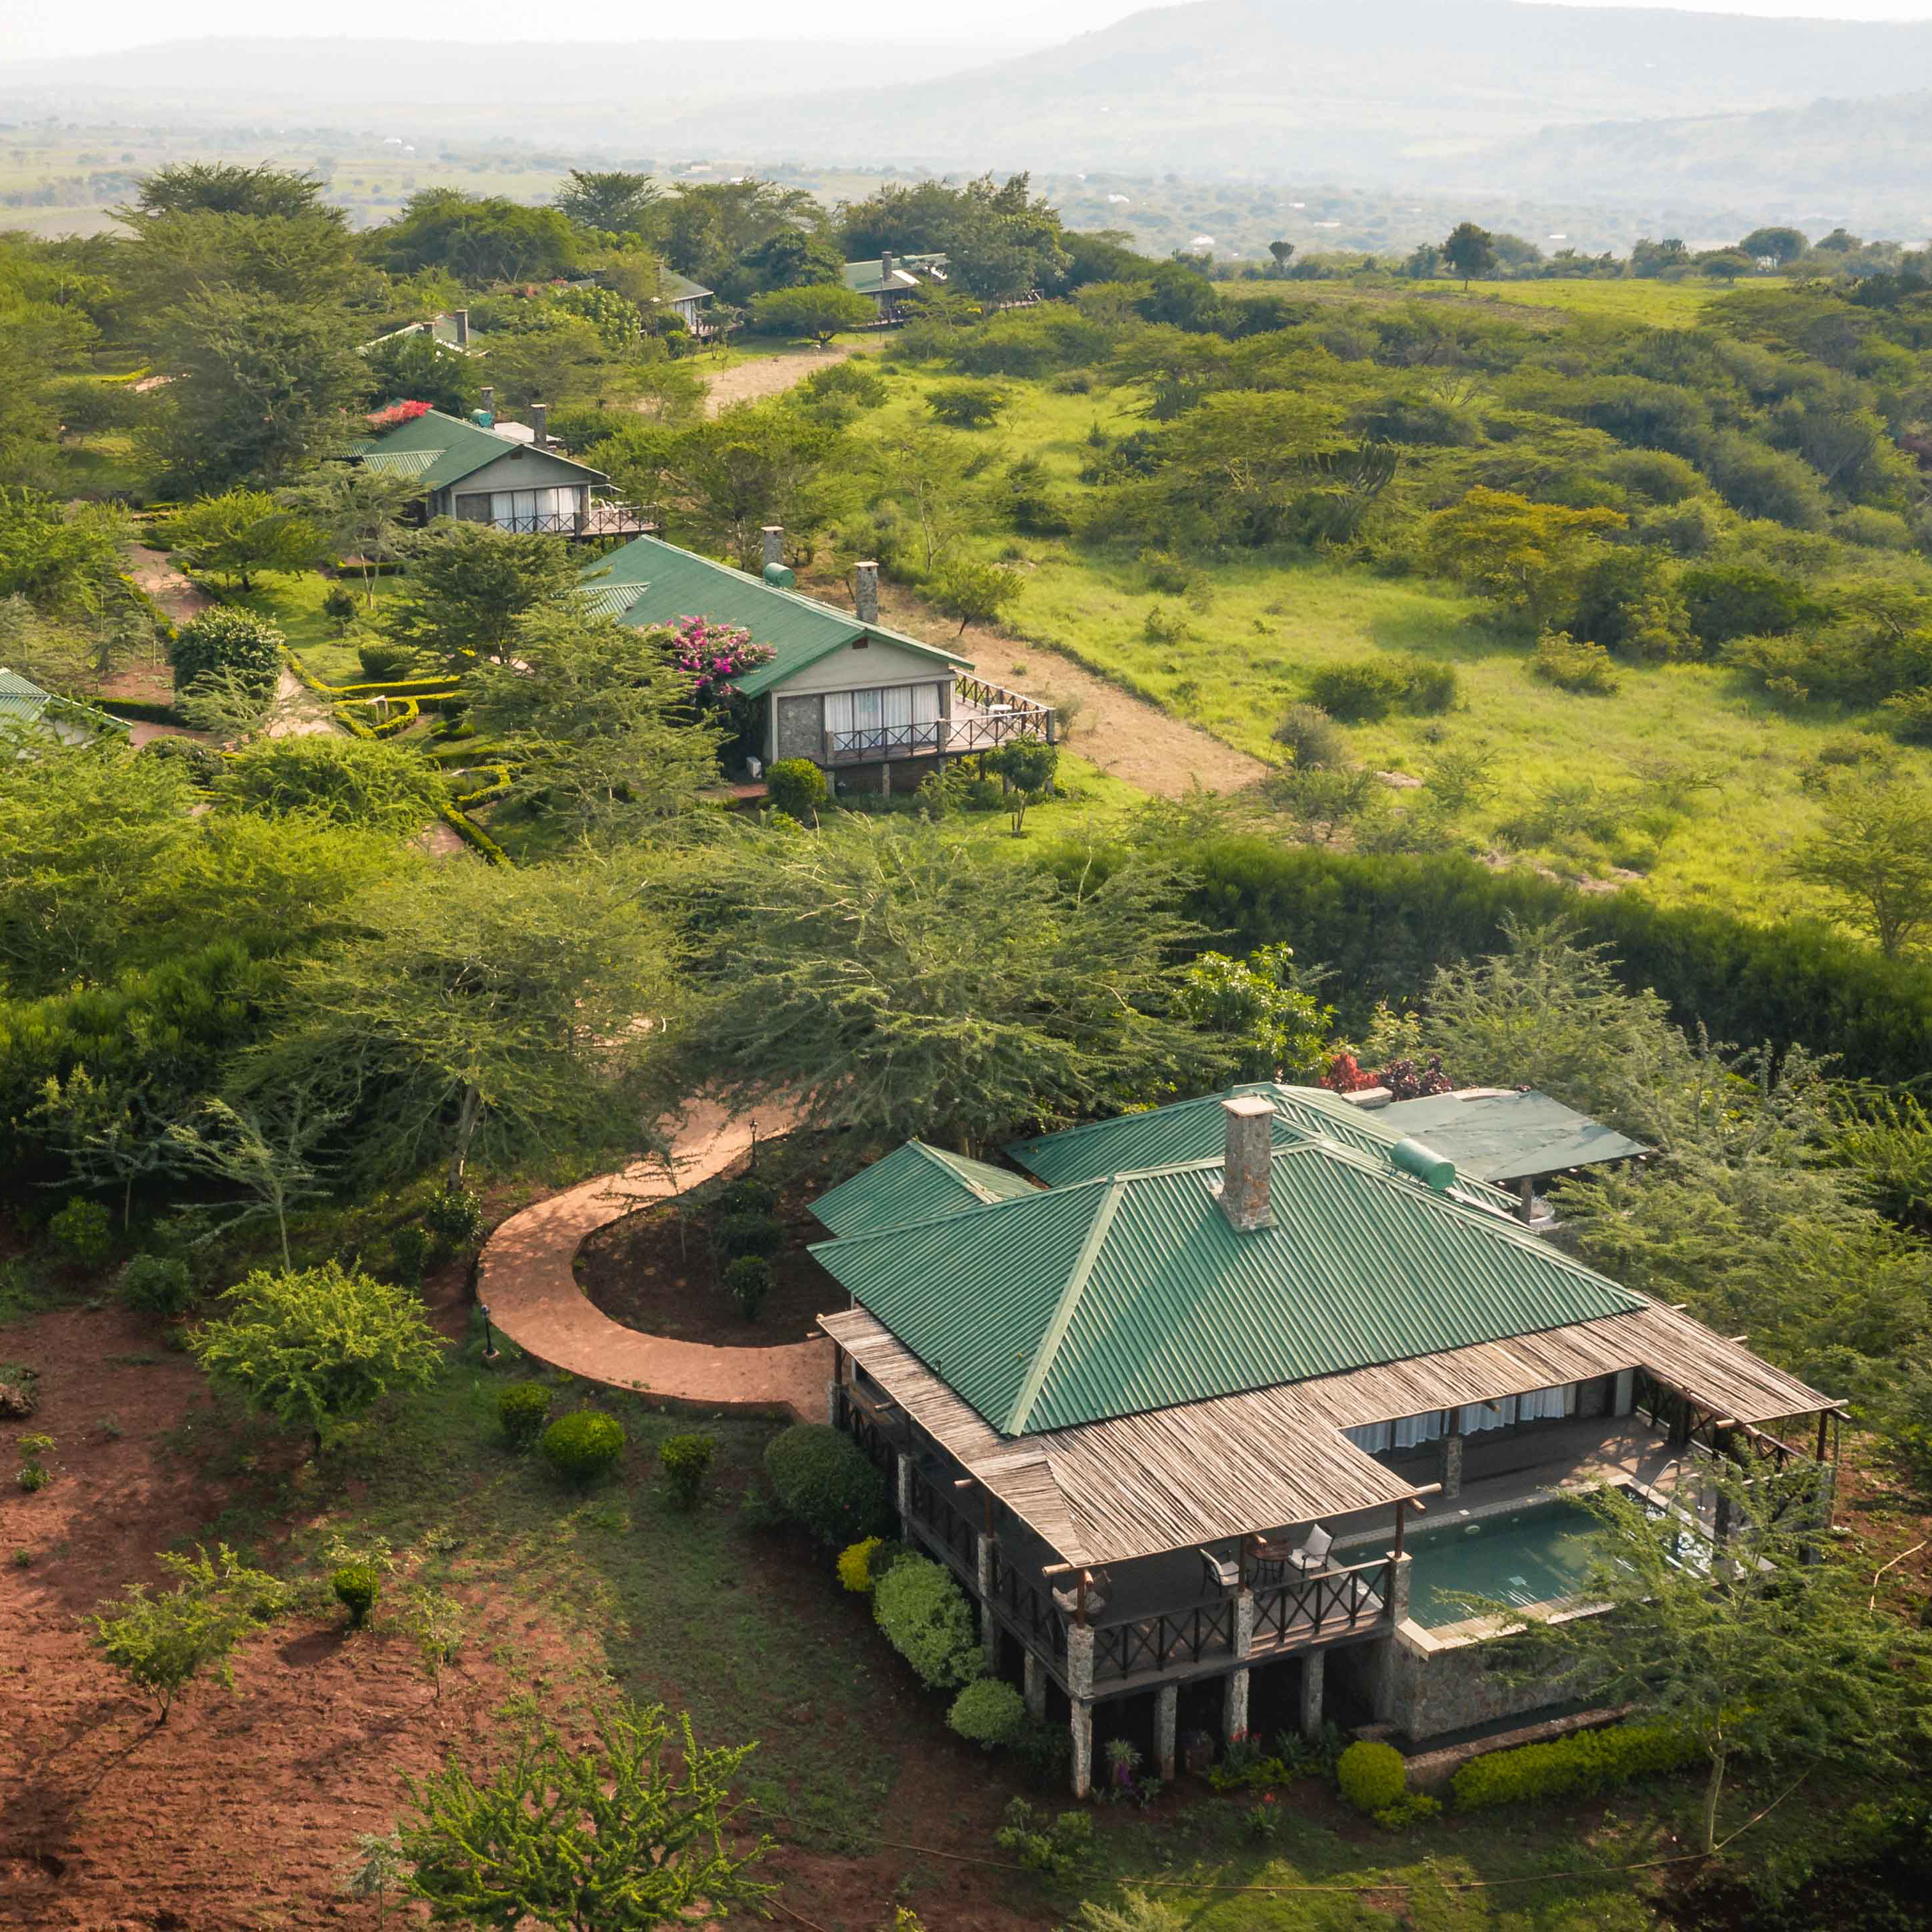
[[885, 266], [539, 430], [1244, 1177], [774, 536], [489, 404], [460, 316], [865, 592]]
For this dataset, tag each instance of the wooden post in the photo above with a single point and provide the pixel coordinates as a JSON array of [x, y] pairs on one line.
[[1822, 1414], [1399, 1502]]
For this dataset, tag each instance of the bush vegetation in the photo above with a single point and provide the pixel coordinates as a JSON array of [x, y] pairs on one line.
[[686, 1461], [158, 1284], [825, 1484], [356, 1586], [927, 1619], [523, 1412], [1584, 1765], [580, 1446], [989, 1712]]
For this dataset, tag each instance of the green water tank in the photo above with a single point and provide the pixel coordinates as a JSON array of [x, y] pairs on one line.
[[1425, 1163], [779, 577]]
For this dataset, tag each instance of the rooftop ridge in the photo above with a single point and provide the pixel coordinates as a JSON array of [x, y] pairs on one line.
[[1047, 1353]]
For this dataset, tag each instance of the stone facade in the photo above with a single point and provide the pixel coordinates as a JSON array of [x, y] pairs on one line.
[[1427, 1687]]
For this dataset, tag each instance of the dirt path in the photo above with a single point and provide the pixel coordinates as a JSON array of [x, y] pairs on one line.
[[526, 1278], [177, 598], [1127, 737], [765, 375]]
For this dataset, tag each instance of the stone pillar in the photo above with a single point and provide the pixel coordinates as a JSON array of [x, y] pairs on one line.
[[989, 1628], [1080, 1695], [1398, 1586], [832, 1402], [1452, 1464], [1033, 1681], [1314, 1675], [905, 1495], [1080, 1723], [1234, 1698], [1166, 1718]]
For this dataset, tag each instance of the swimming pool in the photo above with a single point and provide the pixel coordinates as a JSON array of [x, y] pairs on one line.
[[1538, 1554]]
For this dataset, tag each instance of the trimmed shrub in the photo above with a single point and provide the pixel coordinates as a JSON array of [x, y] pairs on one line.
[[1581, 1765], [1371, 1777], [855, 1564], [382, 661], [686, 1461], [522, 1411], [747, 1281], [83, 1231], [157, 1284], [926, 1619], [200, 763], [989, 1712], [455, 1216], [580, 1448], [747, 1195], [356, 1587], [825, 1484], [339, 605], [226, 640], [796, 786]]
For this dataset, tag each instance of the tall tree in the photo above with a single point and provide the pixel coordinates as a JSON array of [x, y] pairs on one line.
[[1765, 1648], [360, 511], [478, 238], [263, 386], [913, 984], [1470, 252], [1530, 557], [481, 1009], [600, 725], [468, 585], [820, 312], [229, 187], [417, 368], [242, 532], [614, 201], [1873, 857]]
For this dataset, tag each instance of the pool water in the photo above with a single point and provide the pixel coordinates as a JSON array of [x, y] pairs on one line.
[[1539, 1554]]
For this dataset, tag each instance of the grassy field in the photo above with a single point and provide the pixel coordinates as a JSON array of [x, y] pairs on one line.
[[1683, 776], [1655, 305]]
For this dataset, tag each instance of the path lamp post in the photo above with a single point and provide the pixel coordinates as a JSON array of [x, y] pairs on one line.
[[489, 1340]]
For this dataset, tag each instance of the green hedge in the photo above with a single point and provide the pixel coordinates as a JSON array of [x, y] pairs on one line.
[[473, 836], [825, 1484], [135, 708], [926, 1619], [1383, 924], [1581, 1765], [419, 688], [399, 720]]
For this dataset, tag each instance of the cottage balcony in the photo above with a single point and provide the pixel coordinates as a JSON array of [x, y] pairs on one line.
[[984, 716]]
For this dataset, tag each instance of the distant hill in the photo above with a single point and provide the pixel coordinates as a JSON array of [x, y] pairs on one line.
[[1286, 86], [1865, 162]]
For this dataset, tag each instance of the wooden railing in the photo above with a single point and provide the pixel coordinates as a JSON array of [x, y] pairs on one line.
[[601, 519], [1319, 1605], [1033, 1612], [972, 731], [864, 1430], [954, 1532], [1158, 1642]]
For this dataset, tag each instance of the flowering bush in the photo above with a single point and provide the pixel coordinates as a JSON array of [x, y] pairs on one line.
[[714, 655], [1344, 1076], [395, 414]]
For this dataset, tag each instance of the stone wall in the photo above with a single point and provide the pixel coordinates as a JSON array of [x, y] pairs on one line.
[[1427, 1687]]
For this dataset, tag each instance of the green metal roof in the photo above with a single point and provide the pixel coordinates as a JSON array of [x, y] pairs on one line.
[[1191, 1130], [456, 449], [868, 278], [915, 1182], [1131, 1293], [669, 584], [1508, 1136], [23, 704], [674, 287]]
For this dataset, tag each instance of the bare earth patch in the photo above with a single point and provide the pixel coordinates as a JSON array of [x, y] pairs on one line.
[[765, 375]]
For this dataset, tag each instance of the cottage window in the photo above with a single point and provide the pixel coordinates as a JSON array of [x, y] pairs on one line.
[[528, 511], [882, 719]]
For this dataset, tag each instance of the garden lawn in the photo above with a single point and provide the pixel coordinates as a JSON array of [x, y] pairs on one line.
[[1703, 775], [292, 600]]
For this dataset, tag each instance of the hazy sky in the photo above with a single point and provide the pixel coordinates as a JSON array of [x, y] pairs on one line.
[[30, 27]]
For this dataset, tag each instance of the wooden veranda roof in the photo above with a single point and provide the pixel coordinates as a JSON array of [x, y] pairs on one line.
[[1167, 1479]]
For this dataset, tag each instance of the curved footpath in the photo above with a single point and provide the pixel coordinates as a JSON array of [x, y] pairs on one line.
[[526, 1276]]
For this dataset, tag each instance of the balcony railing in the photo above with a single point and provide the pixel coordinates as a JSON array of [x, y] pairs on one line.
[[1323, 1604], [953, 1532], [973, 730], [1160, 1643], [601, 519]]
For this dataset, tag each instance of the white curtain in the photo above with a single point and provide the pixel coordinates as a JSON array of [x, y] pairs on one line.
[[898, 707], [1548, 1405], [925, 704], [1372, 1437], [1481, 1415], [838, 711], [1410, 1432]]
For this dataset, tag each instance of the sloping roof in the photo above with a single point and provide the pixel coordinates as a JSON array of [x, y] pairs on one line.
[[667, 584], [915, 1183], [868, 278], [1109, 1492], [1507, 1136], [457, 448], [23, 704], [672, 287], [1192, 1130], [1132, 1293]]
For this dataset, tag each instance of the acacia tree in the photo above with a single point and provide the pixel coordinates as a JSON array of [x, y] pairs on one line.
[[481, 1008], [1528, 556], [614, 201], [1873, 856], [1763, 1646], [468, 585], [604, 1840], [240, 532], [1470, 252], [911, 984], [267, 1151], [360, 510], [599, 722], [976, 592], [316, 1348]]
